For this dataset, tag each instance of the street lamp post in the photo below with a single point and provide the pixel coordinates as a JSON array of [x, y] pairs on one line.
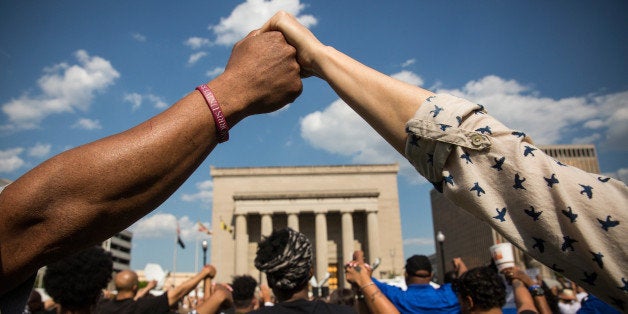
[[204, 244], [440, 238]]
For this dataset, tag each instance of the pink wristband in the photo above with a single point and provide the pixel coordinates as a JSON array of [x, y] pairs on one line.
[[222, 129]]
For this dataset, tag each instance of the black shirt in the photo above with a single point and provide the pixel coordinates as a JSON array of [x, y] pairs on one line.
[[147, 304], [304, 306]]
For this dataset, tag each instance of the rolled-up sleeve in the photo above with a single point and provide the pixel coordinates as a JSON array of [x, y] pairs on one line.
[[570, 220]]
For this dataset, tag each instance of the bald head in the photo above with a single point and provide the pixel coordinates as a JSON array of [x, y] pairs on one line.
[[126, 281]]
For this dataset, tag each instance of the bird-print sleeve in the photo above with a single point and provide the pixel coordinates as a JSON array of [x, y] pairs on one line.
[[570, 220]]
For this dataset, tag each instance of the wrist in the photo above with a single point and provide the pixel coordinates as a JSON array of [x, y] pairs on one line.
[[232, 101]]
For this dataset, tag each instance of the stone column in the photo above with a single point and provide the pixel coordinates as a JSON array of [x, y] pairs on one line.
[[372, 231], [293, 221], [347, 244], [267, 225], [242, 245], [267, 229], [321, 245]]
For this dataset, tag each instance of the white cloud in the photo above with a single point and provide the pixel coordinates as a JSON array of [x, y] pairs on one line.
[[10, 159], [136, 100], [139, 37], [64, 88], [87, 124], [419, 241], [215, 72], [197, 42], [39, 150], [204, 194], [163, 225], [409, 77], [252, 14], [195, 57], [157, 101], [408, 63]]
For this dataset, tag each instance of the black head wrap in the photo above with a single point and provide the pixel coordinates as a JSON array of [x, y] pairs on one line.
[[286, 258]]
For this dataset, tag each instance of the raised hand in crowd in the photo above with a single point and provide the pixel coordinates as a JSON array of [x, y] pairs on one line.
[[528, 294], [358, 273]]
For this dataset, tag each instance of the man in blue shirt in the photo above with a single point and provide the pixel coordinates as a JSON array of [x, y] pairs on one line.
[[421, 296]]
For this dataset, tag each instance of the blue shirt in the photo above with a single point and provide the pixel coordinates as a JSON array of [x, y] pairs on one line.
[[421, 298]]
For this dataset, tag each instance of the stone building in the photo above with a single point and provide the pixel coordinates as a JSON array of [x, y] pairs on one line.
[[339, 208]]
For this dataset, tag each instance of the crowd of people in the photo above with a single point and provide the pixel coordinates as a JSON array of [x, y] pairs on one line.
[[85, 195], [77, 284]]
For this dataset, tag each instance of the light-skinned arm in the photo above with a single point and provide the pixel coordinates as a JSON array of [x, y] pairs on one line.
[[87, 194], [178, 292], [142, 292], [221, 296], [384, 102], [521, 284], [359, 275]]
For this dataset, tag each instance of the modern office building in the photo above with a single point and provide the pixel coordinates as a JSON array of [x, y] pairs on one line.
[[469, 238], [339, 208], [120, 248]]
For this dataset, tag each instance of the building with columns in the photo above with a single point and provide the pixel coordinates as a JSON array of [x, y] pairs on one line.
[[339, 208]]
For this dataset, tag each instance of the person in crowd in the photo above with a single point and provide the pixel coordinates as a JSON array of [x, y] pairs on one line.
[[218, 300], [243, 295], [343, 296], [87, 194], [35, 305], [126, 283], [567, 301], [480, 290], [285, 256], [420, 295], [76, 282], [482, 165], [529, 296], [370, 297]]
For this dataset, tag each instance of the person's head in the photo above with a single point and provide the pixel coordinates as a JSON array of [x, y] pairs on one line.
[[126, 282], [343, 296], [244, 292], [76, 282], [34, 302], [286, 258], [450, 276], [418, 270], [480, 289]]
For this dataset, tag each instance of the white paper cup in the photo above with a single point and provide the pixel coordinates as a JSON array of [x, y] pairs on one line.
[[503, 255]]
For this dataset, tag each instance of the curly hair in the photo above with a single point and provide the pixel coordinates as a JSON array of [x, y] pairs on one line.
[[76, 281], [243, 290], [484, 286]]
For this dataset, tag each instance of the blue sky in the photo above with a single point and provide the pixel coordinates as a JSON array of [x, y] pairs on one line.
[[75, 71]]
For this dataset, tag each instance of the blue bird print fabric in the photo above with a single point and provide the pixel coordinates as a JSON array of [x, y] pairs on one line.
[[572, 221]]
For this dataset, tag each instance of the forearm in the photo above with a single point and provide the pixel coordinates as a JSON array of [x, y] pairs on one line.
[[178, 292], [384, 102], [376, 301], [93, 191], [523, 298]]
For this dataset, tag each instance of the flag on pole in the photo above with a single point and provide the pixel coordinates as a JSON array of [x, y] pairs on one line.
[[203, 229], [224, 226], [179, 241]]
